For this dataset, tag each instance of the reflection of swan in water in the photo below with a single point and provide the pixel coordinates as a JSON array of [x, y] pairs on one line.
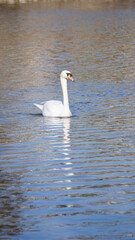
[[60, 125], [61, 129]]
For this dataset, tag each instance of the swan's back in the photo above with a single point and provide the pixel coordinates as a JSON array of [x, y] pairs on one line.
[[53, 108]]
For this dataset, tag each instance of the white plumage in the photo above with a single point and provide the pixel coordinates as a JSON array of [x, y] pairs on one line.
[[54, 108]]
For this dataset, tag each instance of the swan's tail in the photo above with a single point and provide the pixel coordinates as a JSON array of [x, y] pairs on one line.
[[39, 106]]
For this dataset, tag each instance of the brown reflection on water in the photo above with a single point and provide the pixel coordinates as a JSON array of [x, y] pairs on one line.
[[81, 4], [28, 45]]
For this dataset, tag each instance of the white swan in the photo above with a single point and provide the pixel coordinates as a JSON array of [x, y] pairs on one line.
[[57, 108]]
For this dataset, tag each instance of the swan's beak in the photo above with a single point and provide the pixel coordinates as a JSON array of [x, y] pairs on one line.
[[70, 77]]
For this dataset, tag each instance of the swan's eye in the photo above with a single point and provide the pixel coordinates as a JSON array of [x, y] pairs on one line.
[[69, 75]]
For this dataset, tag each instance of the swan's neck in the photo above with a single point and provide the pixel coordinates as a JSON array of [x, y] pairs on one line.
[[65, 95]]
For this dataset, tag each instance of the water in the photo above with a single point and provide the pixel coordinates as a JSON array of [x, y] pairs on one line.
[[68, 178]]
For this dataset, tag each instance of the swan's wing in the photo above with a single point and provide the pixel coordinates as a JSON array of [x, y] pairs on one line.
[[53, 108], [39, 106]]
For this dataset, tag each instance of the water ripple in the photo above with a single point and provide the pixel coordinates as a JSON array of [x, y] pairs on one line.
[[67, 178]]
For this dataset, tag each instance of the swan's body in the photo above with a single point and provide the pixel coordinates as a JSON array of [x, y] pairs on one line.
[[52, 108], [57, 108]]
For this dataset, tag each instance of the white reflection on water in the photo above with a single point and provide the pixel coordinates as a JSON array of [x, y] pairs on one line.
[[61, 127], [58, 124]]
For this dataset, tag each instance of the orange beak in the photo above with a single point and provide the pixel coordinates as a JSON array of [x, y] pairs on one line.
[[70, 78]]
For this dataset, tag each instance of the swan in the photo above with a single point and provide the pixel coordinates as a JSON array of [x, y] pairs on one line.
[[54, 108]]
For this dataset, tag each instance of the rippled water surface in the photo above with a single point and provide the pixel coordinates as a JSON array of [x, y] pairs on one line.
[[71, 178]]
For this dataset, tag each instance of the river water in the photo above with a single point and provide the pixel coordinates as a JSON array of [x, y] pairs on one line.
[[71, 178]]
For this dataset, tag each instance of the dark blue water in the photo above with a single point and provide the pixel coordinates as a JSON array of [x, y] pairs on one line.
[[71, 178]]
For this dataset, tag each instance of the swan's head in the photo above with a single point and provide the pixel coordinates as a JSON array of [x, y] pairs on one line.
[[66, 75]]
